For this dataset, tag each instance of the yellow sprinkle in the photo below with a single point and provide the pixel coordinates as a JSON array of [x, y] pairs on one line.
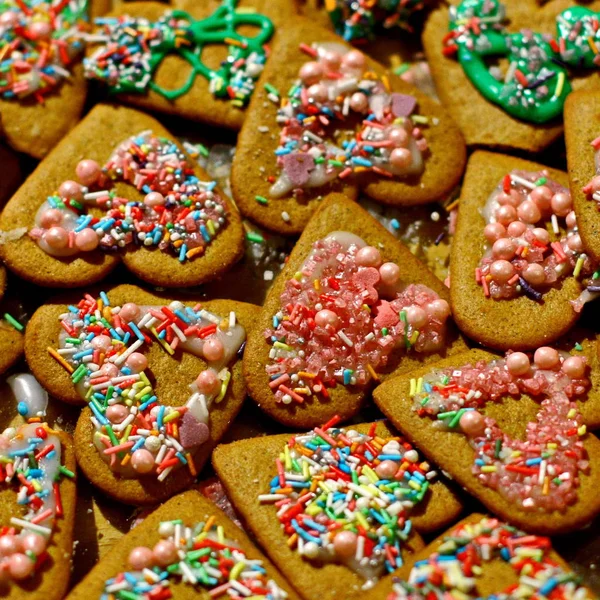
[[145, 391], [287, 458], [450, 207], [209, 523], [414, 485], [282, 346], [582, 430], [386, 82], [171, 416], [372, 372], [592, 45], [317, 284], [578, 265], [236, 571], [570, 415], [559, 85], [126, 460], [488, 469], [220, 534], [552, 445], [419, 385], [361, 519], [211, 227], [413, 387], [298, 275], [325, 487], [516, 453], [162, 342], [313, 509], [370, 473]]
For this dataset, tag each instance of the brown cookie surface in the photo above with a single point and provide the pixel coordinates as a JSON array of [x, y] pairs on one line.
[[52, 579], [484, 123], [452, 452], [191, 507], [171, 376], [507, 323], [335, 215], [582, 126], [95, 137], [255, 158], [246, 467]]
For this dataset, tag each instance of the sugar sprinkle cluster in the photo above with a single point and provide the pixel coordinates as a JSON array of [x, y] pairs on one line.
[[539, 472], [452, 570], [345, 497]]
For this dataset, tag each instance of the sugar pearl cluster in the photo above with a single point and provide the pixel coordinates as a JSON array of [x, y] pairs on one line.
[[178, 214], [540, 472], [38, 42], [452, 570], [520, 256], [341, 318], [345, 496], [199, 556], [319, 141]]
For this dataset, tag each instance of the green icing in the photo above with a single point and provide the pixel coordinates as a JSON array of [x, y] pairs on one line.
[[536, 83]]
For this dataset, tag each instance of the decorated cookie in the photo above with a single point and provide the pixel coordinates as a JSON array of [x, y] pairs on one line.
[[198, 60], [317, 501], [83, 214], [42, 90], [161, 379], [187, 548], [38, 464], [517, 258], [477, 558], [326, 119], [351, 306], [518, 106], [509, 430]]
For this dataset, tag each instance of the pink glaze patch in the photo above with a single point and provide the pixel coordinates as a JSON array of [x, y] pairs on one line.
[[541, 471], [521, 256], [339, 322]]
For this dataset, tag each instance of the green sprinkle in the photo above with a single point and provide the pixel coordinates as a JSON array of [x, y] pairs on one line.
[[498, 448], [401, 69], [71, 340], [261, 200], [557, 481], [13, 322], [446, 415], [578, 347], [66, 472], [425, 401], [252, 236], [541, 181], [454, 422], [272, 89], [384, 331]]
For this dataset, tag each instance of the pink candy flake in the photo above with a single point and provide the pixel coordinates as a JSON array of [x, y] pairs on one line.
[[339, 322]]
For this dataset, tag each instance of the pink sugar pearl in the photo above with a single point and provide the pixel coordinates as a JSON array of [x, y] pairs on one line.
[[501, 271], [70, 190], [213, 349], [165, 553], [327, 317], [541, 195], [344, 544], [154, 199], [571, 220], [110, 370], [546, 358], [331, 59], [142, 461], [57, 238], [398, 136], [534, 274], [141, 558], [513, 198], [101, 342], [9, 19], [208, 383], [401, 158], [88, 171], [506, 215], [504, 248], [518, 363], [317, 92], [472, 423], [311, 72], [86, 240], [9, 544], [389, 273], [40, 30], [20, 566], [494, 231], [529, 212], [516, 229], [117, 413], [50, 217], [416, 316], [574, 367], [562, 204], [574, 242], [129, 311], [386, 469], [438, 309], [34, 542], [136, 362], [359, 102], [541, 235], [354, 59], [368, 256]]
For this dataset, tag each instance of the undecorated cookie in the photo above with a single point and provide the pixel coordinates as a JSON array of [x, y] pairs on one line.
[[172, 236], [508, 430], [328, 330], [173, 371], [326, 119]]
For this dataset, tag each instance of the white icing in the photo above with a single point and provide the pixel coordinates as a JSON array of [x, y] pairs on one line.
[[27, 389]]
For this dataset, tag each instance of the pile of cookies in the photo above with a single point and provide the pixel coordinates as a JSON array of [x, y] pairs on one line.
[[292, 309]]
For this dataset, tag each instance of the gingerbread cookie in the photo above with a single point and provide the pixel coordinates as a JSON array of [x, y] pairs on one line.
[[185, 549], [176, 229], [351, 306], [43, 91], [476, 558], [11, 337], [326, 120], [37, 526], [198, 60], [363, 476], [519, 107], [516, 258], [129, 442], [508, 430]]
